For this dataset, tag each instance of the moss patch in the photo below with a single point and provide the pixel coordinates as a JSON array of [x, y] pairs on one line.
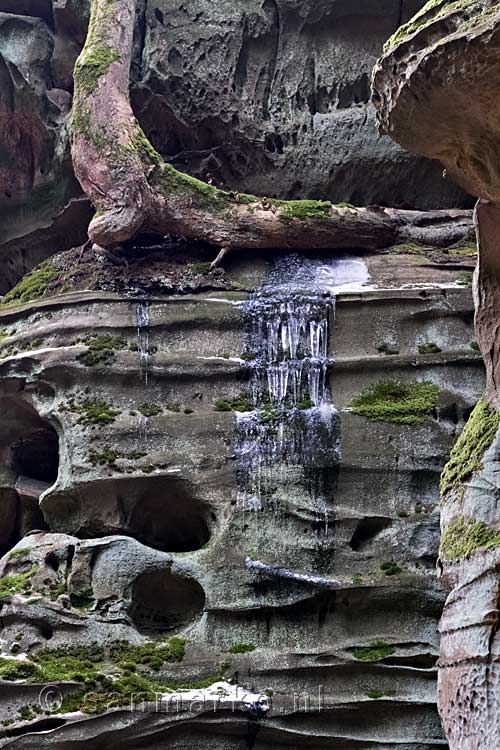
[[112, 674], [467, 454], [18, 583], [390, 568], [239, 403], [150, 410], [429, 348], [12, 669], [101, 350], [376, 652], [241, 648], [400, 403], [433, 10], [387, 349], [32, 286], [94, 412], [93, 63], [305, 210], [463, 536]]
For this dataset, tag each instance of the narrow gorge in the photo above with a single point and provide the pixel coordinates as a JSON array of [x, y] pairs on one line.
[[248, 442]]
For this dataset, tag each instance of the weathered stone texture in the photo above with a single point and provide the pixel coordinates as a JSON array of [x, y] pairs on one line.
[[147, 527]]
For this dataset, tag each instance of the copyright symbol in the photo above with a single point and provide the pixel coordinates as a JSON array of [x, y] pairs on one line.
[[50, 698]]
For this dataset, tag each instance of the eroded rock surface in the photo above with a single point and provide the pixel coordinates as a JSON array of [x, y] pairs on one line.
[[156, 527], [245, 94], [249, 93], [436, 89]]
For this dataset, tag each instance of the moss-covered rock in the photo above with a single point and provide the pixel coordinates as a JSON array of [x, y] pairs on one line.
[[400, 403], [32, 286], [464, 536], [467, 454]]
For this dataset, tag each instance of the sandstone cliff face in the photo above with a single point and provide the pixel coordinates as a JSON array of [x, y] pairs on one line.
[[266, 97], [148, 505], [436, 89]]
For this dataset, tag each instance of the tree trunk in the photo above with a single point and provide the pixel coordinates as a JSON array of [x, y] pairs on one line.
[[134, 190]]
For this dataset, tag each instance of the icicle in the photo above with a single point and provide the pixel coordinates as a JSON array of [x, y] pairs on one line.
[[143, 321]]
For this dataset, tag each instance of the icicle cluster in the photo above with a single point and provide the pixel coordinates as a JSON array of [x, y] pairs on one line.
[[292, 432]]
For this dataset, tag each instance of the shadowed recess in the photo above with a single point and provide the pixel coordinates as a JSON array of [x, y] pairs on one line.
[[29, 462], [160, 512], [163, 601]]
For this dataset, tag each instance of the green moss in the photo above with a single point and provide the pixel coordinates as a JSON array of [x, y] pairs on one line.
[[188, 410], [390, 568], [93, 63], [474, 345], [344, 205], [375, 694], [429, 348], [432, 11], [376, 652], [400, 403], [19, 552], [239, 403], [56, 590], [241, 648], [171, 182], [94, 412], [16, 583], [150, 410], [26, 713], [387, 349], [101, 350], [32, 286], [357, 579], [12, 669], [304, 210], [247, 356], [463, 536], [104, 457], [467, 454]]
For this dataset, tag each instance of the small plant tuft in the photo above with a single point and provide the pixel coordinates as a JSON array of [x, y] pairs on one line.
[[390, 568]]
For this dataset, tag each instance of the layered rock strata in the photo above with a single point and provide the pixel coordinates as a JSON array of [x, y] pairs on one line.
[[136, 526]]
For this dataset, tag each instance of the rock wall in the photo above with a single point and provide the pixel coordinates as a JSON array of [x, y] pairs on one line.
[[439, 118], [131, 518], [267, 97]]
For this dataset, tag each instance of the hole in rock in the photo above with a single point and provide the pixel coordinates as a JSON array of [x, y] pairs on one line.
[[366, 530], [29, 461], [162, 601], [29, 445], [160, 512], [46, 631]]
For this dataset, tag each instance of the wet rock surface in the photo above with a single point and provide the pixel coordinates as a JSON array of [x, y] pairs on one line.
[[321, 597]]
